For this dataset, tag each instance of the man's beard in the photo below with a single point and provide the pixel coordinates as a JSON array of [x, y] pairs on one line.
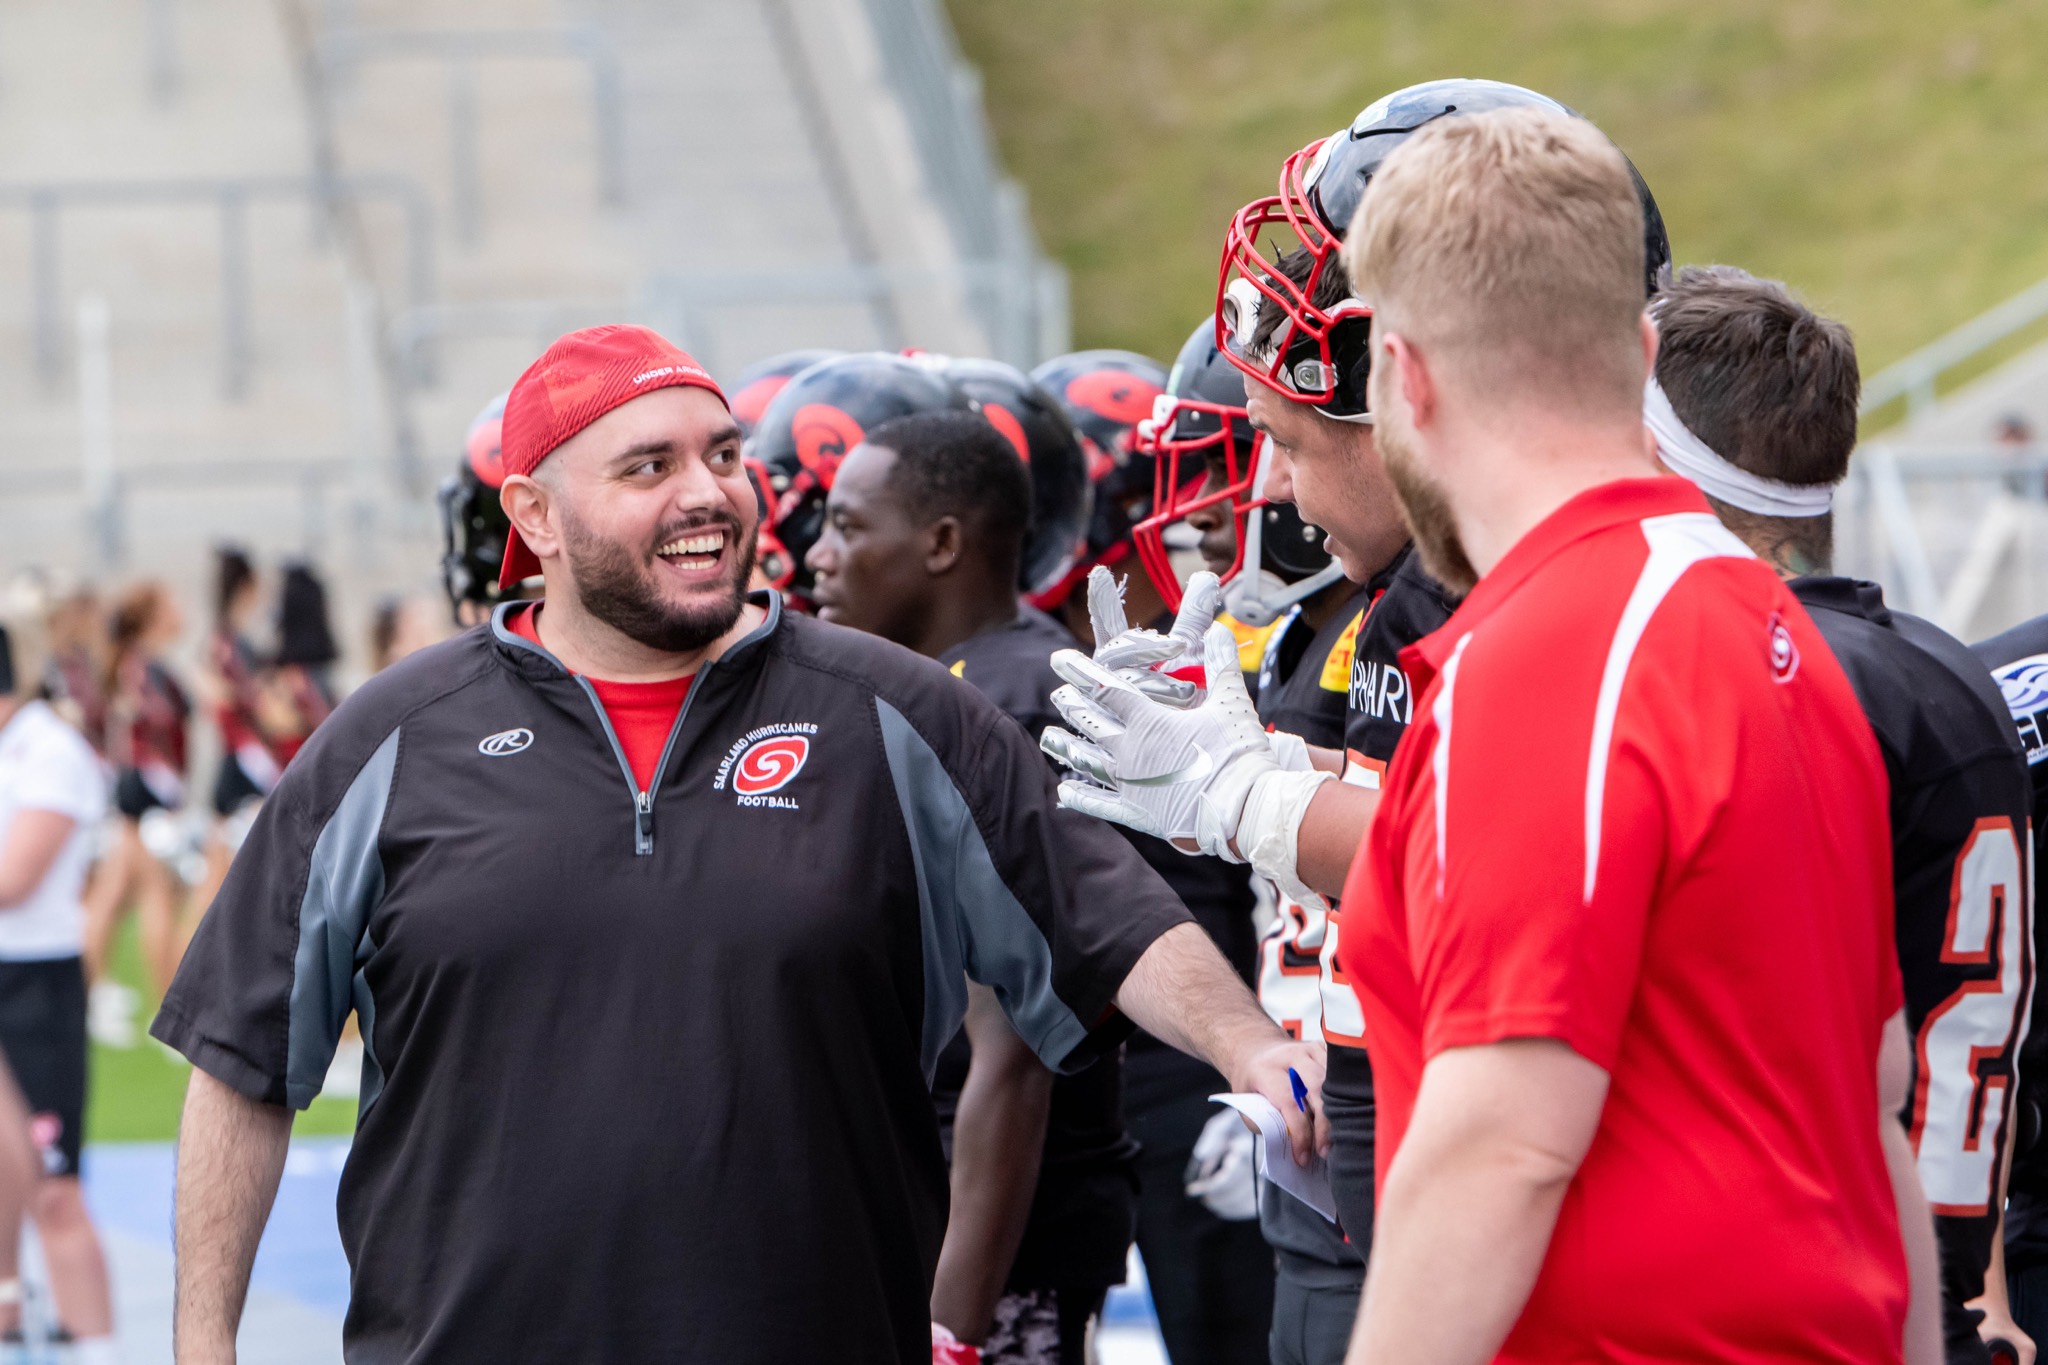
[[618, 587], [1425, 508]]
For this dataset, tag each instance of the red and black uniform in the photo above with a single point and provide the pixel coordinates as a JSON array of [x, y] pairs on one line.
[[2018, 660], [683, 1015], [152, 752], [1639, 812], [1084, 1213], [248, 766], [1960, 802], [1406, 604]]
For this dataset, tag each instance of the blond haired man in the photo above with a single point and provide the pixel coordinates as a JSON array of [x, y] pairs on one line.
[[1627, 1035]]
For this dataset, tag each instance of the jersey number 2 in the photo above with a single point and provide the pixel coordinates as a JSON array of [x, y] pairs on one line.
[[1958, 1109]]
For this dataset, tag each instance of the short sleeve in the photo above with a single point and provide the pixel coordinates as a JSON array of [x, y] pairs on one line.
[[264, 989], [1048, 907], [61, 775], [1518, 939]]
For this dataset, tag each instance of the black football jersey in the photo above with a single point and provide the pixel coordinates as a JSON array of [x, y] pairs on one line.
[[1304, 682], [1960, 812], [2018, 660], [1406, 604], [1084, 1211]]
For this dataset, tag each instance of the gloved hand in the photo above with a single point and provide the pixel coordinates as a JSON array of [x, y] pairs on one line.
[[1186, 775], [1166, 667], [948, 1349], [1161, 769], [1223, 1169]]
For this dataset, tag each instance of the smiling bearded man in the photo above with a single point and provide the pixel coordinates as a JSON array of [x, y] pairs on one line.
[[656, 906]]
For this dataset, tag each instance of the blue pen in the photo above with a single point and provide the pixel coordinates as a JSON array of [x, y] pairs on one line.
[[1300, 1090]]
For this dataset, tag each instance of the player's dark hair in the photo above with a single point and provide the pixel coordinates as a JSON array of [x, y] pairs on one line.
[[1767, 383], [956, 464], [1770, 386], [232, 574], [1332, 288]]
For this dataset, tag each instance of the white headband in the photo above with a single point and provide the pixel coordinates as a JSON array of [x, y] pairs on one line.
[[1691, 458]]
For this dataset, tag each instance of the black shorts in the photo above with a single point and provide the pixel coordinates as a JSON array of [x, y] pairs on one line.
[[133, 797], [42, 1030]]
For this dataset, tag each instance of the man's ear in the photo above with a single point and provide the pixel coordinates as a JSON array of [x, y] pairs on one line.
[[1649, 325], [530, 507], [1413, 378], [943, 546]]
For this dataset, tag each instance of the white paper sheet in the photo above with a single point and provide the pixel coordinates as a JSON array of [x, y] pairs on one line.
[[1311, 1183]]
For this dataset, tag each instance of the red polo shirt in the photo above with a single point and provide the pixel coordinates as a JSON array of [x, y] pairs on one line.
[[1640, 812]]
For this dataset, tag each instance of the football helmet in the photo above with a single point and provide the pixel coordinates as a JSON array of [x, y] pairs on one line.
[[820, 415], [473, 523], [1205, 455], [758, 384], [1105, 395], [1037, 428], [1315, 354]]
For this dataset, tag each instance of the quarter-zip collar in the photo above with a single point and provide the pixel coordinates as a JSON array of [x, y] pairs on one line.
[[523, 654]]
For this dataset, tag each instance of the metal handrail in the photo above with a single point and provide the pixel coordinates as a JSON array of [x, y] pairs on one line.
[[985, 210], [459, 50], [414, 332], [1028, 307], [231, 195], [1915, 377]]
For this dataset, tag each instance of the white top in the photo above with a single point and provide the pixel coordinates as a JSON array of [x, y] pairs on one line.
[[47, 765]]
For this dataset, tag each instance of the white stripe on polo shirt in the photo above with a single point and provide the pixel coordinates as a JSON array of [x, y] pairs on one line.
[[1677, 542], [1440, 758]]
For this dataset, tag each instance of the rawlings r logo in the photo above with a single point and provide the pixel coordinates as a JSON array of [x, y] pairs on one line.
[[504, 743]]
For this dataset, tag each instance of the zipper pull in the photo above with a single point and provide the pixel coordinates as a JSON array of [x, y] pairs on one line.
[[643, 823]]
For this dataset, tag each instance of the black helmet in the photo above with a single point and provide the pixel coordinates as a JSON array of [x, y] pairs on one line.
[[1202, 413], [473, 523], [1036, 426], [1105, 394], [818, 417], [1312, 356], [758, 384]]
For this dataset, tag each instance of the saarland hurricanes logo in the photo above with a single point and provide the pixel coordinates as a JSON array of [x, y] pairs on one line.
[[764, 761]]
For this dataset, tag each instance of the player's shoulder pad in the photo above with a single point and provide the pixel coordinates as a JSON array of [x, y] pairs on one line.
[[2024, 642]]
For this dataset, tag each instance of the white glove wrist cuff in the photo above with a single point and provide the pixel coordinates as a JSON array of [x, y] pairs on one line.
[[1291, 752], [1271, 823]]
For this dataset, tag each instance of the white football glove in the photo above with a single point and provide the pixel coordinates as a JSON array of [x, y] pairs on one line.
[[1187, 775], [1163, 666], [1150, 765]]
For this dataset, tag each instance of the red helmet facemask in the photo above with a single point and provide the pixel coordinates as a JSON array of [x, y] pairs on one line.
[[1180, 480], [1300, 361]]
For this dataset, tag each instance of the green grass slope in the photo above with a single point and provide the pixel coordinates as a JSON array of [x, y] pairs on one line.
[[1889, 159]]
